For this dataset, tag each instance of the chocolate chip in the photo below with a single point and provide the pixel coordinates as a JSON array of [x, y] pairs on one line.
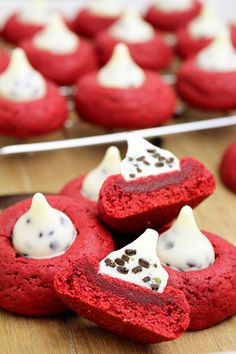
[[146, 163], [125, 257], [140, 158], [25, 254], [191, 264], [143, 263], [110, 263], [155, 265], [146, 279], [132, 175], [50, 233], [122, 270], [169, 245], [151, 151], [54, 245], [170, 160], [40, 234], [139, 170], [130, 252], [120, 261], [161, 158], [130, 159], [63, 221], [154, 287], [28, 221], [156, 155], [168, 264], [137, 269], [159, 164]]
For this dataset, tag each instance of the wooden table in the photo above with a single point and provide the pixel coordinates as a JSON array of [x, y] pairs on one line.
[[47, 172]]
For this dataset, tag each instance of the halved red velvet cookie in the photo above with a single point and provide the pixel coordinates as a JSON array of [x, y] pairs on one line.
[[153, 54], [195, 86], [121, 307], [227, 167], [153, 201], [26, 284], [89, 24], [36, 117], [210, 292], [151, 104], [171, 21], [64, 69]]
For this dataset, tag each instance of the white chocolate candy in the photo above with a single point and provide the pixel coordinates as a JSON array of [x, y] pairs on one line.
[[43, 232], [184, 247], [56, 37], [35, 13], [132, 28], [207, 24], [106, 8], [20, 82], [121, 71], [219, 56], [110, 165], [137, 263], [173, 5], [145, 159]]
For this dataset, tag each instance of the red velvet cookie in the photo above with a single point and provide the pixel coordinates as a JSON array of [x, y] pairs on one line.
[[64, 69], [151, 104], [89, 25], [153, 54], [171, 21], [121, 307], [227, 167], [26, 284], [195, 87], [210, 292], [153, 201], [36, 117]]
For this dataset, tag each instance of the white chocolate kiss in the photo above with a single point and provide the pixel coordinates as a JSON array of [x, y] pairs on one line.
[[20, 82], [145, 159], [207, 24], [173, 5], [132, 28], [56, 37], [43, 232], [106, 8], [219, 56], [121, 71], [149, 273], [36, 12], [110, 165], [184, 247]]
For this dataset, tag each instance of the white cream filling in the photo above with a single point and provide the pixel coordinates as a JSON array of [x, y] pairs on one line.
[[106, 8], [110, 165], [121, 71], [173, 5], [56, 37], [207, 24], [20, 82], [220, 55], [145, 159], [43, 232], [132, 28], [184, 247], [35, 13], [137, 263]]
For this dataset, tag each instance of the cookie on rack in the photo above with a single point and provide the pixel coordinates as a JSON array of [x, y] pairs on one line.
[[38, 237], [97, 16], [85, 189], [227, 167], [29, 104], [59, 54], [152, 188], [169, 15], [122, 95], [127, 293], [147, 47], [202, 265], [208, 81]]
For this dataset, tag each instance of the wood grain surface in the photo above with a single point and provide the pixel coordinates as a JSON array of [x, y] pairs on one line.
[[48, 172]]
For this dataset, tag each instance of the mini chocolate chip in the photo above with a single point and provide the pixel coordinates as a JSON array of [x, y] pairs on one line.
[[191, 264], [156, 155], [54, 245], [146, 163], [125, 257], [137, 269], [110, 263], [146, 279], [139, 170], [170, 160], [143, 263], [168, 264], [130, 252], [120, 261], [40, 234], [130, 159], [159, 164], [154, 287], [151, 151], [122, 270], [161, 158], [51, 233], [28, 221], [169, 245], [25, 254], [140, 158], [132, 175], [155, 265], [63, 221]]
